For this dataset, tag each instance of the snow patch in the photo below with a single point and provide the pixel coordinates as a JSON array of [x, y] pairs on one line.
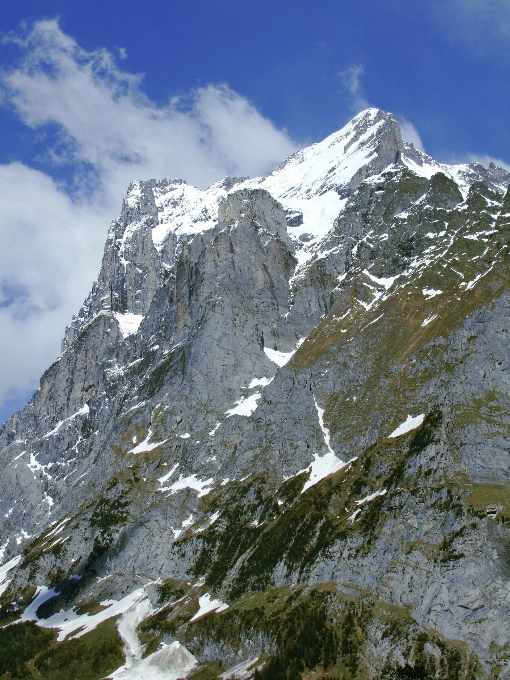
[[325, 431], [322, 467], [145, 446], [371, 497], [260, 382], [203, 486], [128, 323], [82, 412], [429, 319], [68, 622], [386, 283], [207, 605], [245, 406], [214, 430], [188, 522], [282, 358], [171, 662], [166, 477], [473, 283], [127, 624], [431, 292], [405, 427], [326, 465], [352, 518], [279, 358]]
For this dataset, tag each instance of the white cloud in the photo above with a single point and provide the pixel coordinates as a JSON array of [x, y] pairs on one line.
[[484, 25], [410, 134], [50, 252], [110, 134], [351, 79]]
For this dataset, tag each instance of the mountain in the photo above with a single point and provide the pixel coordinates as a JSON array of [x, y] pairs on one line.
[[276, 442]]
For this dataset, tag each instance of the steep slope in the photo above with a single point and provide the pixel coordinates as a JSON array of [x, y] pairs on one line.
[[287, 395]]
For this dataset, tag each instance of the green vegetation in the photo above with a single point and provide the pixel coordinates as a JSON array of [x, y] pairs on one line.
[[321, 633], [482, 495], [89, 657], [19, 644], [308, 526], [29, 652], [171, 589], [12, 603]]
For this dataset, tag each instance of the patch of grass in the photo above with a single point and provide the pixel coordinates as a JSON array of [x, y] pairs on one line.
[[482, 495], [91, 608], [90, 657], [12, 604], [19, 644], [171, 589], [29, 652]]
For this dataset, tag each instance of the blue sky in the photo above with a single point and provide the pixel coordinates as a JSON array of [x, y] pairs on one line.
[[94, 94]]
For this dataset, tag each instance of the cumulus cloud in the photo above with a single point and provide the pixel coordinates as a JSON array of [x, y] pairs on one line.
[[50, 253], [109, 134], [410, 134], [351, 79]]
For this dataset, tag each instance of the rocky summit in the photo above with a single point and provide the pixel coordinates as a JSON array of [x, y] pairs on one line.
[[276, 443]]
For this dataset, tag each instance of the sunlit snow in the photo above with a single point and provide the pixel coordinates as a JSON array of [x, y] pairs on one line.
[[207, 605], [279, 358], [245, 406], [67, 622], [352, 518], [282, 358], [83, 411], [410, 424], [431, 292], [260, 382], [203, 486], [129, 323], [371, 497], [322, 466], [429, 319], [214, 430], [167, 476], [145, 445], [386, 283]]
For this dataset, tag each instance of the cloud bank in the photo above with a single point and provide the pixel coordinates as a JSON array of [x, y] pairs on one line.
[[109, 133]]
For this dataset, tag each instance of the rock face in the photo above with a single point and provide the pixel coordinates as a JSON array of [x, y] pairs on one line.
[[278, 432]]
